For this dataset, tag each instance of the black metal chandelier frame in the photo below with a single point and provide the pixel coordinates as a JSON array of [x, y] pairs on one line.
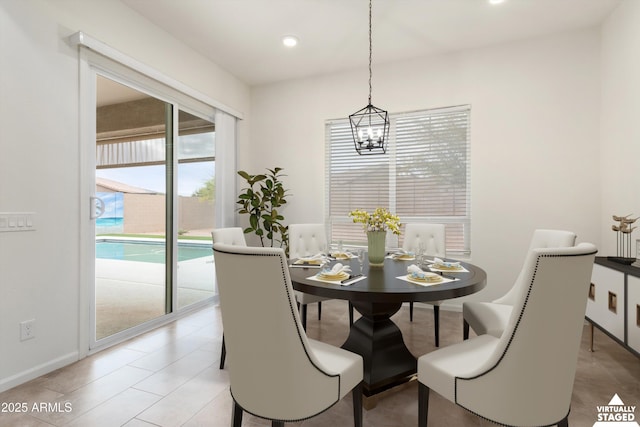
[[370, 125]]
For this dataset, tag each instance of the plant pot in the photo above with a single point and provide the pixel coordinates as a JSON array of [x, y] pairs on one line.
[[376, 247]]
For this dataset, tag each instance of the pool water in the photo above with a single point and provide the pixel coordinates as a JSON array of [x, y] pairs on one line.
[[148, 251]]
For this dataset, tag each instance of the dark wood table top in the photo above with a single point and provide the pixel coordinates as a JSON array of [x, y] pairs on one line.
[[382, 285]]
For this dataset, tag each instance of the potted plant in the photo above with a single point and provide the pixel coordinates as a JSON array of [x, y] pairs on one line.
[[261, 200]]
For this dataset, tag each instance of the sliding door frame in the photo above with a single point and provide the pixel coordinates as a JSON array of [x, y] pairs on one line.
[[97, 59]]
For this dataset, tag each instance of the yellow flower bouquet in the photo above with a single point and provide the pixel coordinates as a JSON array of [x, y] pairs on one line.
[[376, 225], [380, 220]]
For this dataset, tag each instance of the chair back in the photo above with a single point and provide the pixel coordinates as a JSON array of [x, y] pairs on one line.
[[272, 371], [528, 380], [541, 238], [306, 240], [229, 236], [432, 236]]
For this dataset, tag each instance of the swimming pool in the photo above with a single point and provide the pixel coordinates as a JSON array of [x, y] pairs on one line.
[[145, 251]]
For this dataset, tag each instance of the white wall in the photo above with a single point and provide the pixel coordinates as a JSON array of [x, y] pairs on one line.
[[39, 161], [535, 136], [537, 156], [620, 133]]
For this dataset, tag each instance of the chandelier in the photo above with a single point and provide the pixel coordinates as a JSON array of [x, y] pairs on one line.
[[370, 125]]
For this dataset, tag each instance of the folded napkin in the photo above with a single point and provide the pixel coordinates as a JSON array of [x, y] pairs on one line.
[[336, 269], [341, 255], [401, 253], [416, 271], [438, 261], [315, 259]]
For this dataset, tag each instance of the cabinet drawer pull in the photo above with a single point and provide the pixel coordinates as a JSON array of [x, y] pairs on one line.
[[592, 291], [638, 315], [613, 302]]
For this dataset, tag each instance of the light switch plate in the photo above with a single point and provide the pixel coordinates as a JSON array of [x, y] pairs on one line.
[[17, 221]]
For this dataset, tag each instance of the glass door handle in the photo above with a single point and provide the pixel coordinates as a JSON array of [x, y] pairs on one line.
[[96, 207]]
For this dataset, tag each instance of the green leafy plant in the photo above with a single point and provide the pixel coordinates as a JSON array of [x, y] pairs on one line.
[[207, 190], [261, 200]]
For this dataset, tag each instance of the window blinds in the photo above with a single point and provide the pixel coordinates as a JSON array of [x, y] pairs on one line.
[[424, 177]]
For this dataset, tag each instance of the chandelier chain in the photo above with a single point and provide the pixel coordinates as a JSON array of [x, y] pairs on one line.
[[370, 50], [370, 125]]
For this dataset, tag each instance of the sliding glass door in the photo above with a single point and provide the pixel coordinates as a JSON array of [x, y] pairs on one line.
[[154, 197], [196, 214]]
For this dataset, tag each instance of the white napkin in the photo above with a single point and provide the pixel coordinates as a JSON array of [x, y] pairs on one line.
[[317, 257], [337, 269], [341, 254], [401, 252], [416, 271], [438, 261]]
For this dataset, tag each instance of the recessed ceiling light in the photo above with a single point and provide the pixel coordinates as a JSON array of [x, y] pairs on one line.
[[496, 1], [289, 41]]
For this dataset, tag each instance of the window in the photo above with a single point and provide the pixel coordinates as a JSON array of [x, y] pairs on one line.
[[423, 177]]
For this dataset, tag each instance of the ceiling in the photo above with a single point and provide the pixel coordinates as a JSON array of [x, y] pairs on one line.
[[244, 36]]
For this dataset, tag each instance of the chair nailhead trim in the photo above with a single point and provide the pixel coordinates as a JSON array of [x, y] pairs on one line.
[[524, 306]]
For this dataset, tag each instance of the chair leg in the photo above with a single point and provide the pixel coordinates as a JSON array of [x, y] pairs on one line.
[[436, 323], [275, 423], [357, 405], [350, 313], [303, 315], [423, 405], [319, 310], [465, 330], [564, 422], [411, 311], [223, 353], [236, 415]]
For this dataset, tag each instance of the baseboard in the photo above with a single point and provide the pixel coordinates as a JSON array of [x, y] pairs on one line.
[[37, 371]]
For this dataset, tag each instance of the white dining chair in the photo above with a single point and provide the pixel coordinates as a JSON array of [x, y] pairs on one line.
[[432, 239], [276, 372], [228, 236], [306, 240], [524, 377], [491, 317]]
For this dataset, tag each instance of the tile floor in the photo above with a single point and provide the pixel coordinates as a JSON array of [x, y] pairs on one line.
[[170, 377]]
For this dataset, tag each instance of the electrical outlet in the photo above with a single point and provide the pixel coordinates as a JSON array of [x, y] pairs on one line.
[[27, 329]]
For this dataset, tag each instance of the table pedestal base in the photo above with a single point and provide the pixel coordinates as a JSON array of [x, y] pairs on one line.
[[387, 360]]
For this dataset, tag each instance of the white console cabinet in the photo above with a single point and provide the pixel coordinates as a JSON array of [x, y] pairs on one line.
[[614, 302], [633, 313]]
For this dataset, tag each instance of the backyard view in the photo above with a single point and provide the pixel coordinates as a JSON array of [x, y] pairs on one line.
[[135, 272], [130, 255]]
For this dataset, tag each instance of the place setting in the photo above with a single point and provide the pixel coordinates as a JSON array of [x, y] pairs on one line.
[[341, 254], [337, 275], [316, 261], [440, 265], [418, 276], [402, 255]]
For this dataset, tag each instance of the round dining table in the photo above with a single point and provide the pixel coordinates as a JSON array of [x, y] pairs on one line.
[[378, 296]]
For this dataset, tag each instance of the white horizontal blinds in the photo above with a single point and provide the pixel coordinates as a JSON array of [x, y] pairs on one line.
[[433, 171], [131, 153], [355, 182], [133, 147], [431, 175]]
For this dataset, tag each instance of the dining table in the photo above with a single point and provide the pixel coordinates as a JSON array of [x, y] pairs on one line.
[[377, 293]]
